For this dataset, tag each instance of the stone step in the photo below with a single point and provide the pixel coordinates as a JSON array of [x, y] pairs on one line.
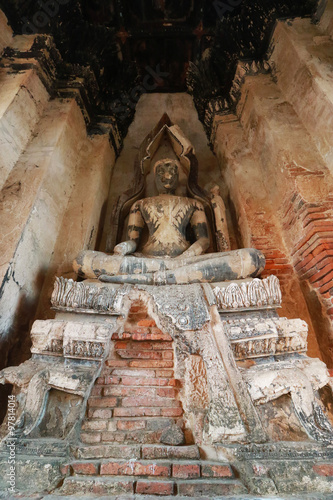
[[128, 437], [123, 424], [108, 451], [115, 485], [146, 452], [159, 451], [210, 487], [81, 485]]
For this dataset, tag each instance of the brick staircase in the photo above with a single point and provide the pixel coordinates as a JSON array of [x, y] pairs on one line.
[[161, 471], [133, 401]]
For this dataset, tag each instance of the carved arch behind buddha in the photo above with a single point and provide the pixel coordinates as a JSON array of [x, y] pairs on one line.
[[185, 153]]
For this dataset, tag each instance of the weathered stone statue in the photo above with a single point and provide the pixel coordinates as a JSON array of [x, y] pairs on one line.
[[168, 257]]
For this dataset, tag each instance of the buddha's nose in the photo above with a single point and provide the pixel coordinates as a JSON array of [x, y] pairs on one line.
[[167, 176]]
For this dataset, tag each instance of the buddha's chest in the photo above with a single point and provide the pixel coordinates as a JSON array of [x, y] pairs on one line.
[[172, 211]]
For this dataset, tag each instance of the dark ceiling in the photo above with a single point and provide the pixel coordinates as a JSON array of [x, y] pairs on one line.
[[136, 46]]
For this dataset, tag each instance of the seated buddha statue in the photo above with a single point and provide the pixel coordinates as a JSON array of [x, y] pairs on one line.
[[168, 257]]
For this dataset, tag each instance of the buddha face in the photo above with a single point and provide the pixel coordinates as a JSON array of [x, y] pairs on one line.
[[166, 176]]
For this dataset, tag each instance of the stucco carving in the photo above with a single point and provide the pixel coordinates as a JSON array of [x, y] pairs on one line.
[[254, 293], [197, 395], [88, 296]]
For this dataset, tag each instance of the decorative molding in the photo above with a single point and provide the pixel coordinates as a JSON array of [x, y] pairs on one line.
[[255, 336], [254, 294], [89, 297], [71, 339]]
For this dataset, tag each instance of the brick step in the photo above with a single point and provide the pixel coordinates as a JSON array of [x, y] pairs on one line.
[[137, 372], [164, 468], [102, 485], [143, 354], [133, 402], [139, 333], [145, 452], [128, 437], [128, 344], [123, 424], [135, 381], [165, 411], [140, 363], [129, 390]]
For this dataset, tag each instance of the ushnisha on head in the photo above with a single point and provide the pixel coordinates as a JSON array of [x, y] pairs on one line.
[[166, 175]]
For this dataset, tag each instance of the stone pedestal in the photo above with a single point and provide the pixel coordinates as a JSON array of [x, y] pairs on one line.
[[213, 367]]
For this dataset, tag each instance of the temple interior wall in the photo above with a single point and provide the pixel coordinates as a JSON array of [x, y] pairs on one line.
[[273, 163], [275, 155], [54, 180]]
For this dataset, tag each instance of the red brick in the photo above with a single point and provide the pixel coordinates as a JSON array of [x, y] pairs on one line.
[[212, 470], [117, 362], [146, 322], [90, 437], [186, 471], [88, 468], [104, 413], [113, 437], [322, 273], [96, 391], [166, 392], [146, 381], [149, 346], [172, 412], [128, 425], [95, 425], [139, 412], [102, 402], [136, 354], [110, 379], [138, 329], [154, 487], [65, 469], [135, 468], [175, 382], [164, 373], [322, 247], [151, 364], [120, 336], [167, 355], [323, 469], [129, 391], [148, 402], [326, 280], [121, 344], [151, 336], [100, 380]]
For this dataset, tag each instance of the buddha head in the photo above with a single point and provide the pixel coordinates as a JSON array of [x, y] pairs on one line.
[[166, 175]]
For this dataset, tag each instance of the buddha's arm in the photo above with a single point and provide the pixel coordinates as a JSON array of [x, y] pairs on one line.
[[134, 230], [200, 228]]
